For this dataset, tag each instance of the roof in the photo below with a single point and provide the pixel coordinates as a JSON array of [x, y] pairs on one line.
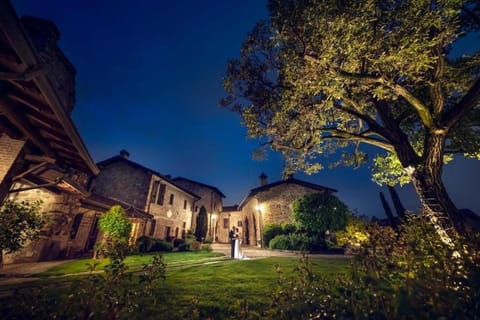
[[99, 201], [201, 184], [38, 90], [255, 191], [230, 208], [133, 164]]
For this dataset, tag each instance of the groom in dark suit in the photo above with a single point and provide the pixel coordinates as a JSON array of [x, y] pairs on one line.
[[232, 237]]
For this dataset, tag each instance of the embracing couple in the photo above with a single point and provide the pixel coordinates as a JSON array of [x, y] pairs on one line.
[[236, 251]]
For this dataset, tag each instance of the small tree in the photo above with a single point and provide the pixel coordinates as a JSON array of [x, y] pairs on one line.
[[116, 227], [318, 212], [19, 223]]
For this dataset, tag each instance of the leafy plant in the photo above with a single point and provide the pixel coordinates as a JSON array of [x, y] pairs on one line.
[[19, 223]]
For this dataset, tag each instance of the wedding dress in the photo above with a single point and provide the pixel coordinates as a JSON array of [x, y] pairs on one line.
[[238, 253]]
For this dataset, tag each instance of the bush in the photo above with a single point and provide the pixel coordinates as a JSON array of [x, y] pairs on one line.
[[206, 248], [404, 274], [274, 229], [178, 242], [270, 231], [292, 241], [208, 239], [161, 246], [144, 244]]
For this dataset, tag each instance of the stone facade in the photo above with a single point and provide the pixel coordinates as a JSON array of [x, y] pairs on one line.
[[10, 150], [269, 203], [170, 205], [210, 199], [171, 208], [230, 217], [70, 232]]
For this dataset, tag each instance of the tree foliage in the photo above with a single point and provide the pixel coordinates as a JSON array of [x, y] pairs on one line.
[[326, 78], [19, 222], [319, 212], [115, 224]]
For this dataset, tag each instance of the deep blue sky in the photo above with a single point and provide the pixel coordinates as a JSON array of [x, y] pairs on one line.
[[149, 77]]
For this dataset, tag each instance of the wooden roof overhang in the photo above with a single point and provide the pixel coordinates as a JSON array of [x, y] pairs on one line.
[[30, 106]]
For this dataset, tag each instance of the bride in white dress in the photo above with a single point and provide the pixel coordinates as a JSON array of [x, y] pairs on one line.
[[238, 253]]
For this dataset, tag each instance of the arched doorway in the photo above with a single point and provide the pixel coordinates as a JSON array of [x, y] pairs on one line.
[[246, 231]]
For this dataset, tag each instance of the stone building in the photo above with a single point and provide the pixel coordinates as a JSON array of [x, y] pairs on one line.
[[210, 199], [170, 204], [231, 216], [271, 203]]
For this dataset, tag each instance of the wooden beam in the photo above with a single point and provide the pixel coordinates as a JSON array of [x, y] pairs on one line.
[[34, 168], [30, 102], [44, 120], [11, 111], [36, 158], [9, 129]]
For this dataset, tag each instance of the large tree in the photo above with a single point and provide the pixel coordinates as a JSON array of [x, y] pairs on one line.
[[326, 78]]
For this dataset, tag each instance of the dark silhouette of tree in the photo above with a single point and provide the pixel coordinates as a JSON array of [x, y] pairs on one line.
[[202, 224], [388, 210], [399, 208]]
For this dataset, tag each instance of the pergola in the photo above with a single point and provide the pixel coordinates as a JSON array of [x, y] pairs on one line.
[[36, 98]]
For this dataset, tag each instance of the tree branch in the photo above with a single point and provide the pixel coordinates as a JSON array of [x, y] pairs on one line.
[[468, 102], [362, 137]]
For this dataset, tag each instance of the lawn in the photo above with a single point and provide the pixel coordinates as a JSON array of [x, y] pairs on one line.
[[209, 283], [134, 262]]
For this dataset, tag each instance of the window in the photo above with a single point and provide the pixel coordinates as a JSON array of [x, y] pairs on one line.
[[171, 199], [75, 225], [153, 196], [226, 223], [239, 223], [152, 227], [185, 204], [161, 194]]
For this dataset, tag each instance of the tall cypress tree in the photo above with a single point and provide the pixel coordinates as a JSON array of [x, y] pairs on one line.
[[399, 208], [202, 224], [388, 210]]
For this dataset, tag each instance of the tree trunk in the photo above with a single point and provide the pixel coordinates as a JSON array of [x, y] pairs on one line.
[[427, 179]]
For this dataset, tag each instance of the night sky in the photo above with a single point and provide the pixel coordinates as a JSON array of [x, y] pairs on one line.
[[149, 80]]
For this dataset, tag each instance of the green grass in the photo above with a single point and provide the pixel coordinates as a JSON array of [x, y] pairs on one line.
[[134, 262], [223, 286], [213, 282]]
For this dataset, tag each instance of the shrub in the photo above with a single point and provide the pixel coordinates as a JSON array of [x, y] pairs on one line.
[[274, 229], [178, 242], [144, 244], [161, 246], [405, 274], [270, 231], [206, 248], [208, 239]]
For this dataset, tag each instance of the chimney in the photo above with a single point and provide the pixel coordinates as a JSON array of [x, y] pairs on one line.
[[124, 154], [263, 179]]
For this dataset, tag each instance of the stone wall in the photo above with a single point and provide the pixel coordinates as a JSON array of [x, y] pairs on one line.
[[10, 150], [123, 182], [226, 221], [209, 198], [65, 235], [273, 205], [172, 220]]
